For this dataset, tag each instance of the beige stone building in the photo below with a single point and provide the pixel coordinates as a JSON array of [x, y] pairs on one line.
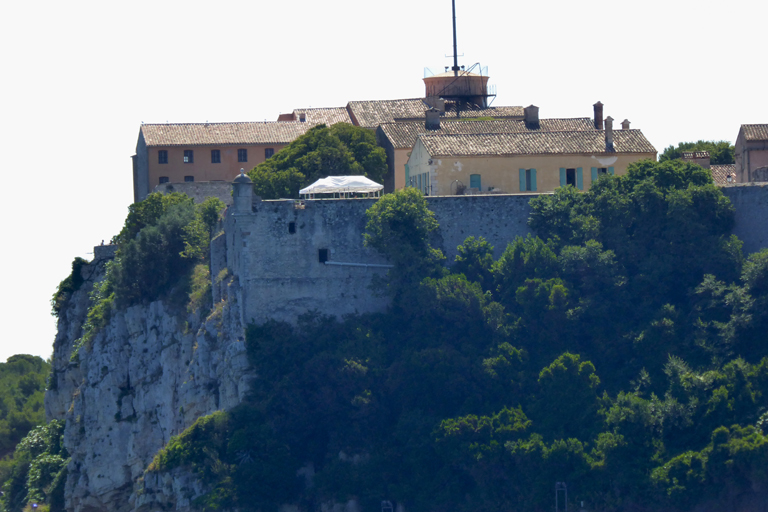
[[523, 161], [752, 153]]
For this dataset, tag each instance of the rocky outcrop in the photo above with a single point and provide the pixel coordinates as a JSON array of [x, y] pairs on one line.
[[148, 375]]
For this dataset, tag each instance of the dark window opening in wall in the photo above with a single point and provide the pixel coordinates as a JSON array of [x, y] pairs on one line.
[[602, 170], [291, 227], [322, 255], [189, 178], [189, 156], [268, 152], [215, 156], [528, 180], [242, 155], [163, 179], [570, 177], [162, 156]]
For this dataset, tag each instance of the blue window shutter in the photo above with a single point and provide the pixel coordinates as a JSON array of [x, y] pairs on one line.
[[533, 180], [407, 174], [474, 181], [522, 180], [594, 174], [579, 179], [610, 171], [562, 176]]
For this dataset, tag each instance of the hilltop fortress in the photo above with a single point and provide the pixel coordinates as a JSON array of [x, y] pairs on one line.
[[289, 257]]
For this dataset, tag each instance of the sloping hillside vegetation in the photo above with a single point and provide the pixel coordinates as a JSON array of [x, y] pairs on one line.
[[621, 351]]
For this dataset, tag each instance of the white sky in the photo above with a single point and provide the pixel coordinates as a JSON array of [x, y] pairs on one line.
[[79, 77]]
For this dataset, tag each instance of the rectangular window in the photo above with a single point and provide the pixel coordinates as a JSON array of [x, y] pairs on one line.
[[189, 178], [268, 152], [163, 179], [570, 177], [601, 171], [162, 156], [189, 156], [242, 155], [322, 255], [215, 156], [474, 181]]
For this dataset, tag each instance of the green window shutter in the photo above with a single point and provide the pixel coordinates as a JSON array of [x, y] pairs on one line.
[[562, 176], [610, 171], [474, 181], [522, 180], [533, 180], [594, 174], [407, 174], [579, 179]]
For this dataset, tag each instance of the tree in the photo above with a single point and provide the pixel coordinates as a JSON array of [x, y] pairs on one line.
[[720, 152], [341, 150]]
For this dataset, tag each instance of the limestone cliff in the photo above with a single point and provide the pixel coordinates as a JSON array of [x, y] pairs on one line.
[[149, 374]]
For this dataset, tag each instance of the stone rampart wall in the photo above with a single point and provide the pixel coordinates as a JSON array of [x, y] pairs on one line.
[[274, 251], [751, 203]]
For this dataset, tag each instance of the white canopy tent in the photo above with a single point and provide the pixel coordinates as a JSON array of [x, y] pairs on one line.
[[342, 185]]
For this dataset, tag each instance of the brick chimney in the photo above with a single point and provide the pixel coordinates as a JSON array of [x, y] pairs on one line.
[[598, 115], [432, 121], [609, 133], [531, 116], [625, 124]]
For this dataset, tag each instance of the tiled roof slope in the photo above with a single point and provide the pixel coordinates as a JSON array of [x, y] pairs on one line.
[[219, 134], [327, 116], [535, 143], [370, 114], [720, 173], [404, 134], [755, 131]]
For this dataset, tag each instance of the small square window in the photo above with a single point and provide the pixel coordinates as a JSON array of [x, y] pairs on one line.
[[189, 156], [322, 255], [242, 155], [162, 156], [268, 152], [189, 178], [215, 156], [163, 179]]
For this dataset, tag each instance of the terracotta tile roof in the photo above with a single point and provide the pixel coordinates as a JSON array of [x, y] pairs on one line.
[[755, 131], [327, 116], [720, 173], [535, 143], [370, 114], [219, 134], [404, 134]]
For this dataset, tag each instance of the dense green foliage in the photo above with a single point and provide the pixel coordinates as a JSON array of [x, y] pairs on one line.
[[339, 150], [622, 351], [163, 240], [37, 473], [22, 386], [720, 152], [68, 286]]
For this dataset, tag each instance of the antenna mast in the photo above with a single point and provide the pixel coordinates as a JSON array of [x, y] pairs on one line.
[[455, 52]]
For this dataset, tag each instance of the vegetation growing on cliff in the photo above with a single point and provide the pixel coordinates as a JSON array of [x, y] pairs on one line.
[[162, 241], [338, 150], [621, 351]]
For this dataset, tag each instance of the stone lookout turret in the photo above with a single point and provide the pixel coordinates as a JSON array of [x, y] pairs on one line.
[[242, 193]]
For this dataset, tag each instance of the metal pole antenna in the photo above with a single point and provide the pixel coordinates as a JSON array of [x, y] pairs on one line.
[[455, 52]]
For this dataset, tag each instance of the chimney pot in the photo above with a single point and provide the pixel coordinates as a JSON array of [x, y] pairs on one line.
[[598, 115], [531, 116], [432, 121], [609, 133], [625, 124]]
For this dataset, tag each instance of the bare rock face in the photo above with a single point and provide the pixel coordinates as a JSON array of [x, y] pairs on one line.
[[148, 375]]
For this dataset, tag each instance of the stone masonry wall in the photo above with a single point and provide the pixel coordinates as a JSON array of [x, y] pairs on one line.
[[751, 203]]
